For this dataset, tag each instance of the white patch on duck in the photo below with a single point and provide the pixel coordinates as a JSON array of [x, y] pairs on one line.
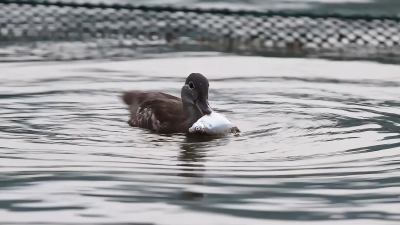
[[214, 124]]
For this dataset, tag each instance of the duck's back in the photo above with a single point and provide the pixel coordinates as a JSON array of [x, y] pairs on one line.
[[156, 111]]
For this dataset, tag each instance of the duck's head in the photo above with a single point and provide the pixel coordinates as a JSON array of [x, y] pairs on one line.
[[195, 93]]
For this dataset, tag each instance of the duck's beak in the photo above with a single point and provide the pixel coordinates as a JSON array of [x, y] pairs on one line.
[[203, 105]]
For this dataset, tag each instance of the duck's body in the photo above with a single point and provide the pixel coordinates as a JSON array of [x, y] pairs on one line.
[[156, 111], [164, 113]]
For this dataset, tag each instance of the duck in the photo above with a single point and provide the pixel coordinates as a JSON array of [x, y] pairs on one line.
[[166, 114]]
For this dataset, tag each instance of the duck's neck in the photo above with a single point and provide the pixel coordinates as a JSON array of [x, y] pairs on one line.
[[192, 113]]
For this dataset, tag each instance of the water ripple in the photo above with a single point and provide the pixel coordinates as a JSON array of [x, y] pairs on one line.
[[314, 147]]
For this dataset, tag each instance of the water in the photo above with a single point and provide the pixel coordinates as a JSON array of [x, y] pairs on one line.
[[320, 144]]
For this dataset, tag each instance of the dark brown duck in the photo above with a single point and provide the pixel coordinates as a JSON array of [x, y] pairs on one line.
[[164, 113]]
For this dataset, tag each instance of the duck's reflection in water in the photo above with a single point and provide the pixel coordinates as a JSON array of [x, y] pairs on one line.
[[192, 158]]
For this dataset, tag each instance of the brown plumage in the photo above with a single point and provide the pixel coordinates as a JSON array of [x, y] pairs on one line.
[[164, 113], [156, 111]]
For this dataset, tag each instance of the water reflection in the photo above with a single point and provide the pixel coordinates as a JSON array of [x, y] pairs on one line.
[[192, 159]]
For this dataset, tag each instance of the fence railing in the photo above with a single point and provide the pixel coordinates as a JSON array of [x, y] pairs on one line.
[[62, 30]]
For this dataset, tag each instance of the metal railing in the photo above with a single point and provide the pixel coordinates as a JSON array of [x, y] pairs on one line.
[[101, 30]]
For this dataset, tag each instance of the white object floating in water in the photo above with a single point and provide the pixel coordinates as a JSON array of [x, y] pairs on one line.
[[214, 124]]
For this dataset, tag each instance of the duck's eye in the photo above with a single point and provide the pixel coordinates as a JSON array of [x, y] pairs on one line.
[[191, 85]]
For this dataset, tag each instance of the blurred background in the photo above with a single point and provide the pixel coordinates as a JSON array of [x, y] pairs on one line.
[[374, 7], [312, 84]]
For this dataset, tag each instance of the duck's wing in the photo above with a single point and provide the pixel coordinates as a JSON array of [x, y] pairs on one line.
[[134, 98], [160, 115], [158, 112]]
